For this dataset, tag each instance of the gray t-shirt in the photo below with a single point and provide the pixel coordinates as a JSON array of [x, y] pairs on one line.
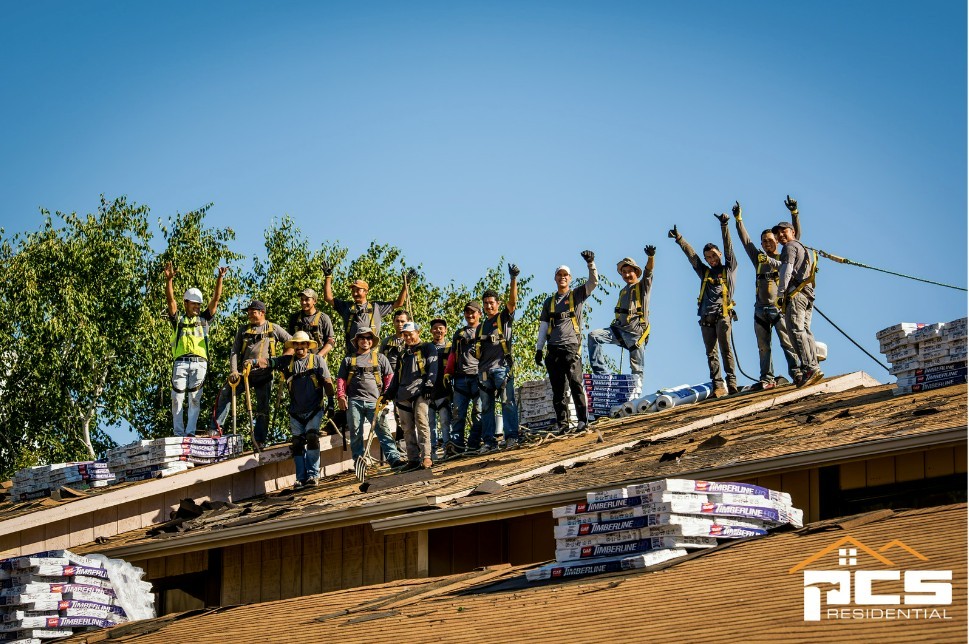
[[463, 348], [796, 267], [354, 317], [363, 385], [492, 355], [409, 377], [560, 319], [632, 315], [392, 347], [321, 331], [257, 341], [711, 302], [304, 397]]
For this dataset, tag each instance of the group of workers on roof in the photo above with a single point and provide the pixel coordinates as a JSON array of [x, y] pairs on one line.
[[428, 388]]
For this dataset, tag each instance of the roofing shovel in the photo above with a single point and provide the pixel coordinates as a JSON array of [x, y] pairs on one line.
[[233, 385], [256, 447], [365, 460]]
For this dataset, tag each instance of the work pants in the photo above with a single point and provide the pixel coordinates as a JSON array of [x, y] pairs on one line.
[[564, 368]]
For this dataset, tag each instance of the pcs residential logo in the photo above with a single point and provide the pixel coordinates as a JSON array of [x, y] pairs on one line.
[[849, 580]]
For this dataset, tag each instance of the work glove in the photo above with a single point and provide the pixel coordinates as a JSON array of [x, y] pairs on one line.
[[762, 258], [427, 391], [791, 204], [513, 270], [538, 357], [722, 218], [673, 233], [781, 302], [736, 210], [588, 256], [448, 383], [411, 274], [650, 251], [327, 269], [234, 377]]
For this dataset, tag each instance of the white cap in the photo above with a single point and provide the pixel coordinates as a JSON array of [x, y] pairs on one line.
[[563, 267], [410, 326], [193, 295]]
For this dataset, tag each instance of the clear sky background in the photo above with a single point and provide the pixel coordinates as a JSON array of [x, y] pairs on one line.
[[462, 131]]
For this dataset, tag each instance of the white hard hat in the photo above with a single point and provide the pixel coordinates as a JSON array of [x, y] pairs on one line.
[[193, 295]]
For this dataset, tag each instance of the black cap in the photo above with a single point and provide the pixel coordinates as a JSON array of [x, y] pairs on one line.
[[438, 321], [256, 305], [783, 224]]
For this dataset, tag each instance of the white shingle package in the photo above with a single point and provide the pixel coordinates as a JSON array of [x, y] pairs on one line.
[[56, 593], [647, 523], [925, 356], [535, 406]]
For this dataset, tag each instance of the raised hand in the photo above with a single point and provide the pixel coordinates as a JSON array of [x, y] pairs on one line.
[[411, 274], [327, 268], [673, 233], [722, 218], [791, 204], [588, 256], [650, 251], [736, 210], [223, 270], [168, 271], [513, 270]]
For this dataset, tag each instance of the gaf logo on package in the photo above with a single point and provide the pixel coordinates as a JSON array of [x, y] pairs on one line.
[[858, 582]]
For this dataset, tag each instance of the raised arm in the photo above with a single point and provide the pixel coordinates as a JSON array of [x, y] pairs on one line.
[[409, 276], [590, 262], [795, 218], [729, 258], [328, 283], [217, 293], [691, 255], [169, 273], [512, 302], [752, 251]]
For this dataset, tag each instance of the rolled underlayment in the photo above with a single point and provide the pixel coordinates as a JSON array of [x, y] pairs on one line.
[[683, 395]]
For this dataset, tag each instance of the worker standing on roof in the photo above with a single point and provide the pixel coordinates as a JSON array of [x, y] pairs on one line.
[[462, 368], [360, 312], [413, 389], [496, 380], [715, 304], [308, 379], [630, 328], [362, 379], [190, 348], [439, 412], [392, 348], [560, 325], [766, 313], [795, 288], [257, 339], [314, 322]]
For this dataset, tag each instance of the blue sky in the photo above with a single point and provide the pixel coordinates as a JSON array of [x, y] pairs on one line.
[[462, 131]]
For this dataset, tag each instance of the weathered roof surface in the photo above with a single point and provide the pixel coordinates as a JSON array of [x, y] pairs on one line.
[[631, 450], [744, 591], [763, 430]]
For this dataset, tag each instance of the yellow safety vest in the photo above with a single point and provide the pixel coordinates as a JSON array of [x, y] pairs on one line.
[[190, 337]]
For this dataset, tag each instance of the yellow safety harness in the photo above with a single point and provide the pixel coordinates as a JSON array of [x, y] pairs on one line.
[[313, 328], [374, 368], [289, 375], [552, 316], [251, 337], [635, 296], [196, 335], [728, 303], [770, 276], [479, 337]]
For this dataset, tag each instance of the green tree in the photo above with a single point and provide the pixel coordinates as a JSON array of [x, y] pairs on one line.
[[72, 300]]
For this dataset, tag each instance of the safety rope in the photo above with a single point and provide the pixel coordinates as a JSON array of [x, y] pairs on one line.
[[844, 260], [736, 357], [852, 339]]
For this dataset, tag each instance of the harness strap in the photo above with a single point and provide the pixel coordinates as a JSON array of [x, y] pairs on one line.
[[810, 280], [553, 316], [374, 368], [479, 336]]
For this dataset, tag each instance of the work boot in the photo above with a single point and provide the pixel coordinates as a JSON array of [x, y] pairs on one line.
[[581, 427], [485, 448], [763, 385], [427, 464], [811, 377], [732, 389], [511, 443], [311, 482], [798, 379], [719, 391], [410, 466]]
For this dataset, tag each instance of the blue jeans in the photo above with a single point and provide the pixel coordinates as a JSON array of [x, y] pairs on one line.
[[439, 413], [498, 382], [360, 419], [466, 392], [188, 374], [611, 335], [306, 446]]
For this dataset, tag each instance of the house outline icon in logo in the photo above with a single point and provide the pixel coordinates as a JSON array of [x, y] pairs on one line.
[[852, 544]]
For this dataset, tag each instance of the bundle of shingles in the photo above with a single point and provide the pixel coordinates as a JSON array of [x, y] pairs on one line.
[[648, 523], [535, 406], [925, 356], [55, 593], [165, 456], [42, 480], [604, 392]]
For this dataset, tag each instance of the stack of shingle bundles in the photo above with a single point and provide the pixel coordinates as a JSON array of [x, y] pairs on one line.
[[52, 594], [644, 524], [535, 406], [925, 356], [606, 392], [39, 481], [166, 456]]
